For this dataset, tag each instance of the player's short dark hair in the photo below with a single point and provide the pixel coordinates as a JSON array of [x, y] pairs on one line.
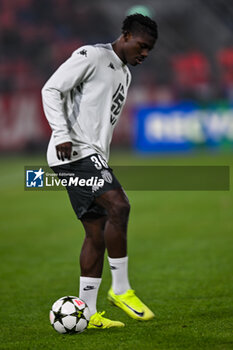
[[138, 24]]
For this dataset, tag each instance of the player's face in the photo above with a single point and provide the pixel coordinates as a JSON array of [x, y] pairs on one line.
[[137, 47]]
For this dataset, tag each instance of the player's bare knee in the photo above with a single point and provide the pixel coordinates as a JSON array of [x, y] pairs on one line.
[[119, 212]]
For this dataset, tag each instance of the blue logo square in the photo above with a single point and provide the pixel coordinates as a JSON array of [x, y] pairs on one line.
[[35, 178]]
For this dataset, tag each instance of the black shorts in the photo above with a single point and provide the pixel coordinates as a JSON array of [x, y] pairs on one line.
[[87, 179]]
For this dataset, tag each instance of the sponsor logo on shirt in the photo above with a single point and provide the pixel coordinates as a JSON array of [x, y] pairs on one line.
[[111, 66], [117, 103], [83, 52]]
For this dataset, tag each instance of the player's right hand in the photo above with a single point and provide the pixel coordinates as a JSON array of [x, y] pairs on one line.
[[64, 150]]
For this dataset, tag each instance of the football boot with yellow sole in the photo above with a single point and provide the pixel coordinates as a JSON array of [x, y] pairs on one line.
[[131, 304], [97, 321]]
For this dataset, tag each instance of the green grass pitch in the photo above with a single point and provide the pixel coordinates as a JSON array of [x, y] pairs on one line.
[[180, 264]]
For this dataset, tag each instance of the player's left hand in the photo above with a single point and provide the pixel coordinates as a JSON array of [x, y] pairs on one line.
[[64, 150]]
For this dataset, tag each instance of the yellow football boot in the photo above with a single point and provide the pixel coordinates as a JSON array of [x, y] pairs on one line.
[[131, 304], [97, 321]]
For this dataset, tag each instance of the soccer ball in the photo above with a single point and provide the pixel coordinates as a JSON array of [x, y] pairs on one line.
[[69, 315]]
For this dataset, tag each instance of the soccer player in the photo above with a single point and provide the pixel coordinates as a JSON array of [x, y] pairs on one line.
[[82, 101]]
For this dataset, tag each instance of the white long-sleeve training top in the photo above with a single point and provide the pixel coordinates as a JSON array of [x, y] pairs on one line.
[[83, 100]]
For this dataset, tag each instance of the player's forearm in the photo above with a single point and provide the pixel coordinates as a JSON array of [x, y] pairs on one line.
[[54, 112]]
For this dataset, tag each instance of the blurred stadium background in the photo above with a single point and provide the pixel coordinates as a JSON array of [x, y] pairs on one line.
[[192, 64]]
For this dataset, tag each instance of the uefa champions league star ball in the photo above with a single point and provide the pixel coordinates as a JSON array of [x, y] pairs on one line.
[[69, 315]]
